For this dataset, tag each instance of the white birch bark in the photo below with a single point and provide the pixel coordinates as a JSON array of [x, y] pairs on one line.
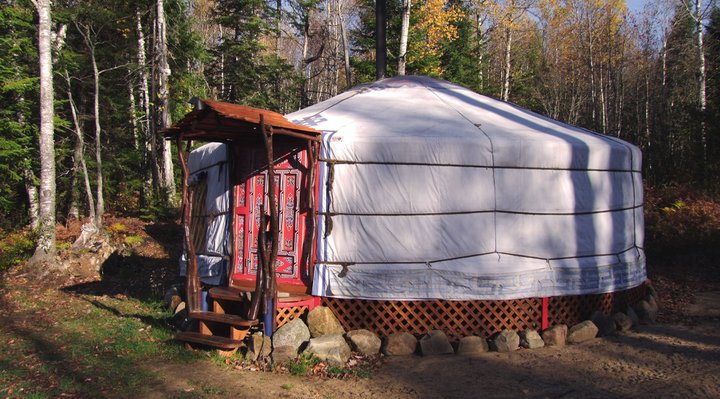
[[506, 75], [150, 159], [702, 75], [346, 49], [81, 145], [46, 247], [402, 58], [100, 203], [132, 112], [31, 190], [168, 179]]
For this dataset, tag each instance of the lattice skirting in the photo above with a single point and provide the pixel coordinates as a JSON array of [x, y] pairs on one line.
[[483, 318], [286, 314]]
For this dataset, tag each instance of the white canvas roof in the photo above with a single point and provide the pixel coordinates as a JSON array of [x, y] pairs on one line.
[[430, 190]]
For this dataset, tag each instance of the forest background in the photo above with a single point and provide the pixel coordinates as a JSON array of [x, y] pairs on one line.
[[124, 70]]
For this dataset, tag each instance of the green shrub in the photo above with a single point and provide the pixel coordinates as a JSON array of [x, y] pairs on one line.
[[15, 247], [134, 240]]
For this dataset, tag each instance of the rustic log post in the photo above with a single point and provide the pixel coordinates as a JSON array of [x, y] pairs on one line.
[[192, 282], [258, 296], [267, 133]]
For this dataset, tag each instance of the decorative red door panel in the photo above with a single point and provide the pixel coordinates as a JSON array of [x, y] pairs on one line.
[[251, 199]]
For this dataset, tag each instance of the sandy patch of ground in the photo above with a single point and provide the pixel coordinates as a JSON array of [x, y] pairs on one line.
[[658, 361]]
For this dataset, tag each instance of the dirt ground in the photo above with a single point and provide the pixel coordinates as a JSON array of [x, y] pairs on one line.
[[662, 361], [678, 357]]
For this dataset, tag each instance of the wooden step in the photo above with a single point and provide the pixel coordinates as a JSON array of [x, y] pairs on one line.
[[224, 318], [215, 341], [249, 285], [236, 294]]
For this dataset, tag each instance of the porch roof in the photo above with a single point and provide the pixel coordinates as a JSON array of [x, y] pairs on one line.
[[219, 121]]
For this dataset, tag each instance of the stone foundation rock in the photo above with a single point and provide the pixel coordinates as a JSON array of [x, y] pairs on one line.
[[555, 336], [400, 344], [321, 321], [435, 343], [472, 345], [505, 341], [581, 332], [364, 341]]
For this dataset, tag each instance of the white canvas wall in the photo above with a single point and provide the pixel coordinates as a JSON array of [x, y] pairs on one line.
[[429, 190]]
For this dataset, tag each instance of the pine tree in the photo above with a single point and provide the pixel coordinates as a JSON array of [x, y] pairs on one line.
[[251, 74], [713, 93], [18, 84]]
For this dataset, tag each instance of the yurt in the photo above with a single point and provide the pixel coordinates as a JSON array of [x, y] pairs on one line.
[[411, 204]]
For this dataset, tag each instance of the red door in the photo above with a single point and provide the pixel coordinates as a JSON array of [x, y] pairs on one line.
[[251, 199]]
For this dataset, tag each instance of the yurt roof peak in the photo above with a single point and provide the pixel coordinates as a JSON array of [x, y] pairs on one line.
[[431, 110]]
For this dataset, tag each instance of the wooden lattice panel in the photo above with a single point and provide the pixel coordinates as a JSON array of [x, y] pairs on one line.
[[284, 315], [570, 310], [456, 318], [483, 318]]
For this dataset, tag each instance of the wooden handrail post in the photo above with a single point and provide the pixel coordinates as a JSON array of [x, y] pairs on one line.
[[267, 133], [192, 281]]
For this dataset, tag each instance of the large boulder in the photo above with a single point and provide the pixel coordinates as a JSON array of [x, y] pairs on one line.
[[283, 354], [653, 302], [435, 343], [364, 341], [646, 312], [321, 321], [530, 339], [604, 323], [556, 335], [505, 341], [400, 344], [293, 334], [581, 332], [259, 345], [623, 322], [472, 345], [630, 312], [330, 348]]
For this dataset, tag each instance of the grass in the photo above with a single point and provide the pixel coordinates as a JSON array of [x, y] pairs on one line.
[[303, 365], [81, 345]]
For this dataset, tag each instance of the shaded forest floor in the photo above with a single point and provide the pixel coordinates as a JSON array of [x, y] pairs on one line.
[[110, 336]]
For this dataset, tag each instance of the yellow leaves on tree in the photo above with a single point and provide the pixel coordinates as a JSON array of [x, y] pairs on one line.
[[434, 27]]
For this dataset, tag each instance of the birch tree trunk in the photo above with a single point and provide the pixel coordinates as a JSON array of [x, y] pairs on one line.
[[29, 179], [74, 208], [506, 76], [46, 247], [702, 75], [150, 159], [168, 179], [80, 147], [31, 190], [100, 204], [132, 111], [402, 58], [346, 49]]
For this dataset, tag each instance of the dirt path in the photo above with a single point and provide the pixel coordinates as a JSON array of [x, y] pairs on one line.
[[659, 361], [93, 339]]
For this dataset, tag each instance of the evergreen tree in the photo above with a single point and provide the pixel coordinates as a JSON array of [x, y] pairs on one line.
[[679, 100], [18, 92], [460, 56], [713, 93], [362, 39], [248, 73]]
